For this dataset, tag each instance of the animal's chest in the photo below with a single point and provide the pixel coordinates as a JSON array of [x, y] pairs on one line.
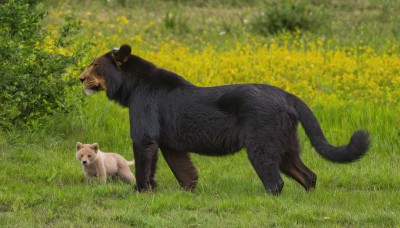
[[91, 171]]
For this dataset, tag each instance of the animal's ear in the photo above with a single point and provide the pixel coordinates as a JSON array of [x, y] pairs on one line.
[[95, 147], [122, 55], [79, 146]]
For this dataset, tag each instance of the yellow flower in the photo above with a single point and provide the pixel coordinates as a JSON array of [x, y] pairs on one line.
[[123, 20], [316, 73]]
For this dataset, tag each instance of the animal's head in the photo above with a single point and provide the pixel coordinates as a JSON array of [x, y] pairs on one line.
[[86, 153], [95, 78]]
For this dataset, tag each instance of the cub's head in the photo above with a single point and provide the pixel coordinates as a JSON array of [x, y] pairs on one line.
[[95, 78], [86, 153]]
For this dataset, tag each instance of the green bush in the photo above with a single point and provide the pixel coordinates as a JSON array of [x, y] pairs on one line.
[[288, 15], [33, 80], [174, 22]]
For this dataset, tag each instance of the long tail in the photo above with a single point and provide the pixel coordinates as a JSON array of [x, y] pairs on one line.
[[130, 163], [357, 147]]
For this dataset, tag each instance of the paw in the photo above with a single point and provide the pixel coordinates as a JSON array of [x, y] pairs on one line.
[[148, 187], [153, 184], [190, 186], [139, 188], [276, 189]]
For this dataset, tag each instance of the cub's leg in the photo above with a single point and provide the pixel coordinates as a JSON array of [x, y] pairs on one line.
[[293, 167], [102, 173], [125, 174], [182, 167], [88, 177], [145, 164], [265, 159]]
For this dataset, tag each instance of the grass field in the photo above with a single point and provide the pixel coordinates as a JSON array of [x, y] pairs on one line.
[[348, 73], [44, 183]]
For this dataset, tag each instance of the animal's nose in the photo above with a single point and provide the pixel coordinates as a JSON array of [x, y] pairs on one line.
[[84, 162]]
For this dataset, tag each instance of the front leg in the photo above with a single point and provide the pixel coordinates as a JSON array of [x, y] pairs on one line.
[[145, 165], [102, 174], [145, 132], [87, 175], [154, 160]]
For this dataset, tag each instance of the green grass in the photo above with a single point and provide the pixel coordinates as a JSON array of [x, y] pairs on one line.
[[224, 22], [44, 183]]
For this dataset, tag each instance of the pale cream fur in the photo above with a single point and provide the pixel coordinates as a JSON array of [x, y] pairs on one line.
[[101, 164]]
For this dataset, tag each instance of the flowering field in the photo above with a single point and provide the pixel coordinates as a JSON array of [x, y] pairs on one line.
[[318, 70], [318, 75]]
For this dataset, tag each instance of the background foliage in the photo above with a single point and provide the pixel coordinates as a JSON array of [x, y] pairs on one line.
[[33, 64], [290, 15]]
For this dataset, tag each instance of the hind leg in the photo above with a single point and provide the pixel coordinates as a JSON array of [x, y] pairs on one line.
[[293, 167], [182, 167], [126, 174], [265, 160]]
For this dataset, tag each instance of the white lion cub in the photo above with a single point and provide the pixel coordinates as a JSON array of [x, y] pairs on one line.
[[101, 165]]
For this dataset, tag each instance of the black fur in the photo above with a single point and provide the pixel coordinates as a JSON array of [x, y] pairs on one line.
[[170, 113]]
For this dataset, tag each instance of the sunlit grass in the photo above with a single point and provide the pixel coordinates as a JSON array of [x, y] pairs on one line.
[[45, 183]]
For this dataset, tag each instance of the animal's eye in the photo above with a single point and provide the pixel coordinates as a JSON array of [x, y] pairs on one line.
[[81, 155], [89, 156]]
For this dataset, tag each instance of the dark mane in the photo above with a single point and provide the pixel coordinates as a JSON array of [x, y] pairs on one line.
[[164, 79], [139, 71]]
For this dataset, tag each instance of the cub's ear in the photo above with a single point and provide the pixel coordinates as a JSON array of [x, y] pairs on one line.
[[79, 146], [122, 55], [95, 147]]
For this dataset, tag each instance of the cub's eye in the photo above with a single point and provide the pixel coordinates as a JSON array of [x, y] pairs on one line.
[[89, 156], [81, 155]]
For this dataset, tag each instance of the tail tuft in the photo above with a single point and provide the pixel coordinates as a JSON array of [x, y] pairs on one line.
[[356, 149], [358, 146]]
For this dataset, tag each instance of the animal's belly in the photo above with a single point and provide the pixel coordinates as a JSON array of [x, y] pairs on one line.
[[215, 151], [204, 130], [206, 144]]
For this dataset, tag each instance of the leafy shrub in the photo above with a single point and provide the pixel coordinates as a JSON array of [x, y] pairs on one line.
[[174, 22], [33, 63], [288, 15], [215, 3]]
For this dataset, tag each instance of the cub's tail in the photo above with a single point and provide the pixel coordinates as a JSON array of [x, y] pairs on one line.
[[130, 163], [357, 147]]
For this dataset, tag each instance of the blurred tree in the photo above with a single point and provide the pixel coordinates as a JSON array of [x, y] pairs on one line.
[[32, 70]]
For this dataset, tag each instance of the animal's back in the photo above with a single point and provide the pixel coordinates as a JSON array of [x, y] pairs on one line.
[[110, 161], [214, 120]]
